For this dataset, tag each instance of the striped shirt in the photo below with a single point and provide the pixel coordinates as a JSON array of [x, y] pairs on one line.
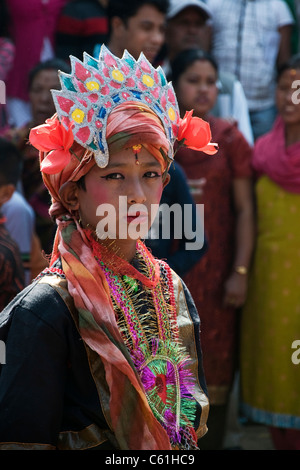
[[246, 40]]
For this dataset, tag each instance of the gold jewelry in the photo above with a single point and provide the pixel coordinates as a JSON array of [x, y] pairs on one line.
[[241, 270]]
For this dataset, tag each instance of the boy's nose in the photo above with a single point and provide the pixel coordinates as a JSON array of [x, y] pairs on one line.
[[136, 194]]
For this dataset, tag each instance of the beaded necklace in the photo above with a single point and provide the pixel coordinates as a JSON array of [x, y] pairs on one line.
[[125, 293], [147, 321]]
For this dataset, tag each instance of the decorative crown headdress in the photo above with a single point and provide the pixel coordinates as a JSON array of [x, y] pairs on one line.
[[89, 94], [95, 87]]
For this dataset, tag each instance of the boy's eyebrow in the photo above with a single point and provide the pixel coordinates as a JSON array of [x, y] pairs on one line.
[[154, 163], [151, 163], [115, 165]]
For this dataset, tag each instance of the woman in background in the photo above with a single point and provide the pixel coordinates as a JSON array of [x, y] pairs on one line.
[[271, 322], [218, 282]]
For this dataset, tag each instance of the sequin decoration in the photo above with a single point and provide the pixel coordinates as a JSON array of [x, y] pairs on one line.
[[95, 87]]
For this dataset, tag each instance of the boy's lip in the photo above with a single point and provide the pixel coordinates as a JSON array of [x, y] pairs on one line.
[[138, 217]]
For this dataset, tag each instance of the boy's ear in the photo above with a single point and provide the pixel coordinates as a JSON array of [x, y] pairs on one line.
[[6, 192], [166, 180], [69, 195]]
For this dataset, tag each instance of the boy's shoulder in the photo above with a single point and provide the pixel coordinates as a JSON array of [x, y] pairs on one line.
[[45, 300]]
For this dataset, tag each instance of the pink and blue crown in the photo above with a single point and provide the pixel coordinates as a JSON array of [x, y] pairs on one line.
[[95, 87]]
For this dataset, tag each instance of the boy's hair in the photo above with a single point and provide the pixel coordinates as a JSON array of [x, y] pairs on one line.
[[11, 163], [51, 64], [126, 10]]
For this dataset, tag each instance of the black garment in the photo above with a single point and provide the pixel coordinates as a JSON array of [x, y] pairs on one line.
[[46, 386], [52, 387], [82, 25]]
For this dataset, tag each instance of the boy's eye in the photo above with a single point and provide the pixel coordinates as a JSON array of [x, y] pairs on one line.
[[152, 174], [113, 176]]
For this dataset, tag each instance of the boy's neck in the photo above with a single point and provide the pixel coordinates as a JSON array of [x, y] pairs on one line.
[[125, 249]]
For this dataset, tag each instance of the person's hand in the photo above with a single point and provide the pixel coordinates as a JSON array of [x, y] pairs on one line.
[[197, 186], [235, 290]]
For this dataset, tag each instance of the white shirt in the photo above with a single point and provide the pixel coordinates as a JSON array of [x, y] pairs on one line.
[[246, 41], [20, 221]]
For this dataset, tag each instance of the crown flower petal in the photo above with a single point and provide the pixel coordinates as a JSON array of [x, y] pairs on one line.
[[54, 138], [195, 134], [55, 162]]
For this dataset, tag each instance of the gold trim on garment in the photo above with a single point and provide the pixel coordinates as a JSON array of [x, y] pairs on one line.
[[87, 438], [186, 333], [25, 446]]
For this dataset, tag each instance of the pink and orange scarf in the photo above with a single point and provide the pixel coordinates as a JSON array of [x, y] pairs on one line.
[[132, 420]]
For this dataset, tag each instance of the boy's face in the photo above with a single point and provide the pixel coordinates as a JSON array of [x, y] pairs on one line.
[[121, 200], [144, 32]]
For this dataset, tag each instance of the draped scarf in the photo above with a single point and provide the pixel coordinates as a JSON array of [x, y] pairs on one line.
[[132, 420], [281, 164]]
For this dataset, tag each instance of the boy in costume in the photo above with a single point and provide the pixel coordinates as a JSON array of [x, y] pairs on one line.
[[103, 348]]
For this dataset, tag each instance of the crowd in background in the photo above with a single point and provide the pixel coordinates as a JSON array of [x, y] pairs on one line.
[[234, 63]]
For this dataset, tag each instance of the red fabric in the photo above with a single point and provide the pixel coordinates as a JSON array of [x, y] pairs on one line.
[[30, 22], [133, 123], [84, 27], [285, 439], [206, 279]]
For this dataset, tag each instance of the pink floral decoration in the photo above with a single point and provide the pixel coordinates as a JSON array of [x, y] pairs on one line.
[[195, 134], [52, 137]]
